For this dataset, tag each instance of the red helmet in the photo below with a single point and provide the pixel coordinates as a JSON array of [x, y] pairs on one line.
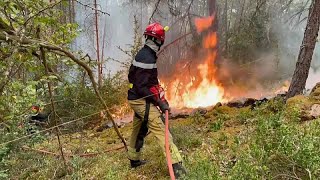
[[35, 108], [155, 30]]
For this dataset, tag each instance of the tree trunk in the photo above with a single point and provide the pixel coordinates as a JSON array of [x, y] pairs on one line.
[[73, 11], [212, 8], [213, 11], [306, 51], [242, 10], [98, 47], [226, 27], [70, 11]]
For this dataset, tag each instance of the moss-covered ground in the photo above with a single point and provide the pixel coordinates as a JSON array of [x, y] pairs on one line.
[[269, 142]]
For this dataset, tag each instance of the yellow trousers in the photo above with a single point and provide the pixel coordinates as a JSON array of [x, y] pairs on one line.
[[140, 129]]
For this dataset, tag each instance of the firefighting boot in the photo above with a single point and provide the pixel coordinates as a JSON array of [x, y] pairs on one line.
[[136, 163], [178, 170]]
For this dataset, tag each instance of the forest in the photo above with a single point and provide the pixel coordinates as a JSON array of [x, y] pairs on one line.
[[241, 77]]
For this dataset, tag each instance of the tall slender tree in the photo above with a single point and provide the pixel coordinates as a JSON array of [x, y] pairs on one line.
[[301, 72], [98, 45]]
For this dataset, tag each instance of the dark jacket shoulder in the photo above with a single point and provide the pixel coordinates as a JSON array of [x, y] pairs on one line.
[[146, 55]]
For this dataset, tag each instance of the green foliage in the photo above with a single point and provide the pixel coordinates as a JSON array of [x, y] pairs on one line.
[[111, 173], [76, 100], [222, 116], [24, 81], [3, 174], [271, 146], [193, 139], [76, 164], [249, 36], [200, 167], [243, 117], [115, 89], [253, 28], [280, 148], [222, 137], [4, 151], [275, 105], [216, 126], [197, 118], [247, 169]]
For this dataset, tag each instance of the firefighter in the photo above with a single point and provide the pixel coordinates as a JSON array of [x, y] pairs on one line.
[[146, 98], [37, 119]]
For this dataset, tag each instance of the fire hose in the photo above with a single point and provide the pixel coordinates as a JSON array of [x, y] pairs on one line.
[[168, 156]]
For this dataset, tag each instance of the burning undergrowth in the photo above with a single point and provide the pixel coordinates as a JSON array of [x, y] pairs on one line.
[[203, 82], [195, 85]]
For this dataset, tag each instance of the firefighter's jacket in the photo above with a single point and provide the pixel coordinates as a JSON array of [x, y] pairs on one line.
[[143, 74]]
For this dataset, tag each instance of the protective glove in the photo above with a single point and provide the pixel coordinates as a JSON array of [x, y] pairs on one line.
[[163, 105]]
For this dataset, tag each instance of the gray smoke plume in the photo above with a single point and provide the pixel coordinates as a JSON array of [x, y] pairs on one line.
[[290, 36], [272, 71], [276, 67], [114, 30]]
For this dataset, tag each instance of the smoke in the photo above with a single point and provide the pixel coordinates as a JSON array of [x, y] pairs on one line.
[[114, 30], [290, 33], [118, 28], [313, 79], [239, 80], [272, 72]]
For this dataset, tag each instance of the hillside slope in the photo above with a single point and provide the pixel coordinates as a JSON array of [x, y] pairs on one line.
[[273, 141]]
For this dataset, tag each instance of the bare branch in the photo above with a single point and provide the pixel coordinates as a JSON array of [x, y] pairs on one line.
[[92, 8], [44, 60], [57, 3], [173, 42], [42, 151], [154, 11], [122, 63]]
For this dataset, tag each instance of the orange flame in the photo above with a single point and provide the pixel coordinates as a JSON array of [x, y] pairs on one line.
[[199, 89], [210, 41], [203, 23]]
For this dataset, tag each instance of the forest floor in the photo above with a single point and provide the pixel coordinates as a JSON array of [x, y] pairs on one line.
[[271, 141]]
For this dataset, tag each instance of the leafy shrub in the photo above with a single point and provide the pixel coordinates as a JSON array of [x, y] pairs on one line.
[[216, 126], [280, 149], [76, 101], [4, 151], [245, 115]]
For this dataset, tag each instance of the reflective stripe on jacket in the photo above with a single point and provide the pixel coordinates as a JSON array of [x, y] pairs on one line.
[[143, 74]]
